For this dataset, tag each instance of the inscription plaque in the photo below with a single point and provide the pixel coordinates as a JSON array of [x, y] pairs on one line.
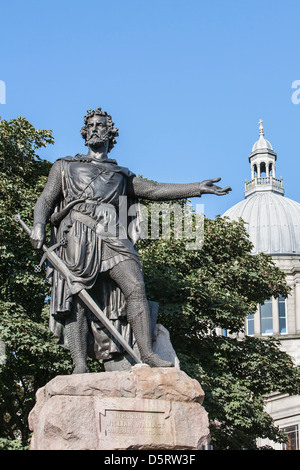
[[125, 422], [133, 423]]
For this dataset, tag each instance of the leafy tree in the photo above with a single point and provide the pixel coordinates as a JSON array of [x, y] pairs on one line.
[[217, 286], [31, 356]]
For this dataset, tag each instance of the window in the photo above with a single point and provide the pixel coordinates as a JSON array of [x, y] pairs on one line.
[[282, 314], [270, 169], [266, 319], [263, 169], [250, 325], [292, 434]]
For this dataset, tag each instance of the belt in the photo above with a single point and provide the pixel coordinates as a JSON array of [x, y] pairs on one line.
[[101, 230]]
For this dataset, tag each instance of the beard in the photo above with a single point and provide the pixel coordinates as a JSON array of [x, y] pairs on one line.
[[96, 141]]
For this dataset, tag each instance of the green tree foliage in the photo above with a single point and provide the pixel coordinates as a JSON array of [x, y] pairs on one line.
[[217, 286], [31, 355]]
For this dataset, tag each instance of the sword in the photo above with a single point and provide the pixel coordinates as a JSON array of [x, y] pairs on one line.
[[83, 294]]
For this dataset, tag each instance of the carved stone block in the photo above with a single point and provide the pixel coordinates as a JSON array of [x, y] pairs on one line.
[[144, 408]]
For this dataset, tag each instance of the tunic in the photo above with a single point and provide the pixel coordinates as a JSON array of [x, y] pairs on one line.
[[97, 238], [89, 252]]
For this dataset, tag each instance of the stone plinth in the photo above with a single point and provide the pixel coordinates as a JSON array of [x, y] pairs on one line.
[[144, 408]]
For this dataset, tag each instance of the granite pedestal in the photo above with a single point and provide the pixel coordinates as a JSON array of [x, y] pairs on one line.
[[143, 408]]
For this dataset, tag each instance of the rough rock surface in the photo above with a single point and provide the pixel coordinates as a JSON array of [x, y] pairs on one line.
[[144, 408]]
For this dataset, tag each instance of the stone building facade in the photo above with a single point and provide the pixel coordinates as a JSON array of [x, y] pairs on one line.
[[273, 225]]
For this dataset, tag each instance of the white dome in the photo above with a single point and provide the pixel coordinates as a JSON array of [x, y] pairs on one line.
[[272, 222], [261, 144]]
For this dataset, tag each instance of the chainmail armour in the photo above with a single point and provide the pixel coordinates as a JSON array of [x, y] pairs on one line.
[[97, 186], [136, 188]]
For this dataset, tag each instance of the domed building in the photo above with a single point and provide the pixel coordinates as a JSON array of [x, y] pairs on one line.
[[273, 224]]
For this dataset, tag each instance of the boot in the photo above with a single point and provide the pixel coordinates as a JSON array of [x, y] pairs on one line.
[[140, 324]]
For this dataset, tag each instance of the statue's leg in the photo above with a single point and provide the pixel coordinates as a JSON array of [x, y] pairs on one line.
[[129, 278], [76, 329]]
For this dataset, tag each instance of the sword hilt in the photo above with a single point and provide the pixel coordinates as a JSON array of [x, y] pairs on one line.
[[22, 223], [27, 229]]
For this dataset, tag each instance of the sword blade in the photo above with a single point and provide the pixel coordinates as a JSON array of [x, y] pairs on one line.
[[91, 304], [58, 264]]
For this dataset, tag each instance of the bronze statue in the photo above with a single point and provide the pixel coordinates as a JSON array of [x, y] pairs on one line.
[[82, 197]]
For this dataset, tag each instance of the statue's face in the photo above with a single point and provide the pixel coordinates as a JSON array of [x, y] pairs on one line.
[[96, 131]]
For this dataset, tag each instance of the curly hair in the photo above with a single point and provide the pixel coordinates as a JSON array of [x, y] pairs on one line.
[[112, 131]]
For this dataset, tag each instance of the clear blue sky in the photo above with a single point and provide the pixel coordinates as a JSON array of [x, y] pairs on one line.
[[186, 82]]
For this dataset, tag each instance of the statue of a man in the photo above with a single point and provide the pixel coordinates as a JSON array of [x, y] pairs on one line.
[[82, 197]]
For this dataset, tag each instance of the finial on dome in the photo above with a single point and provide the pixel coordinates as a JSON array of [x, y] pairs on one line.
[[261, 127]]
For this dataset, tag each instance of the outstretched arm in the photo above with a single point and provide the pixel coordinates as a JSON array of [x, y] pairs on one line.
[[45, 205], [144, 189]]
